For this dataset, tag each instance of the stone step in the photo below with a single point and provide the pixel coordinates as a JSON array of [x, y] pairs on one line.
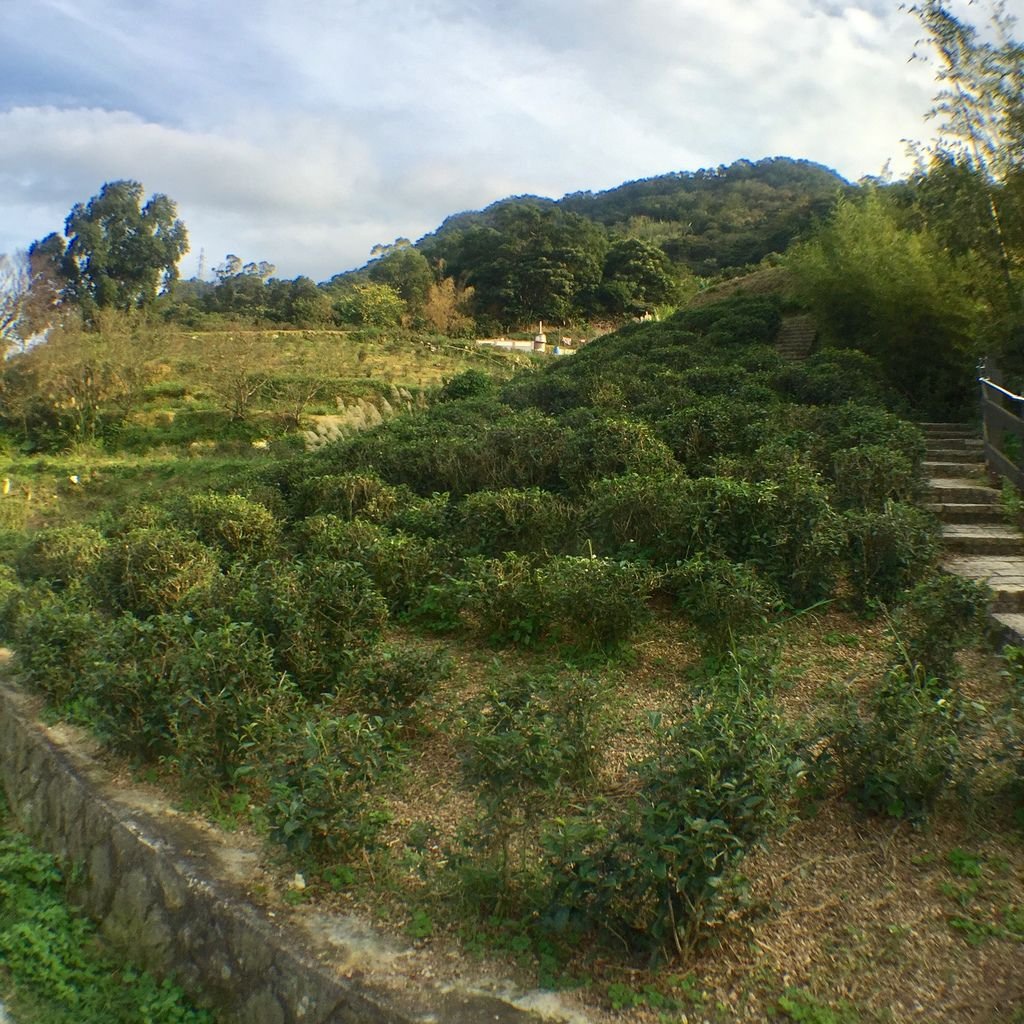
[[968, 456], [954, 491], [948, 469], [960, 429], [966, 512], [982, 539], [1004, 575], [956, 444], [1012, 624]]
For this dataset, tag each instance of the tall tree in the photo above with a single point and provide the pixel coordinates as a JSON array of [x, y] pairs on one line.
[[14, 288], [980, 114], [121, 251]]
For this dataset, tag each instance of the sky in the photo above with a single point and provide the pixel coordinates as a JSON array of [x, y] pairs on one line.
[[303, 132]]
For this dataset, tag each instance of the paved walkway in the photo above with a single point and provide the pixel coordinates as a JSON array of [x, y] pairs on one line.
[[979, 543]]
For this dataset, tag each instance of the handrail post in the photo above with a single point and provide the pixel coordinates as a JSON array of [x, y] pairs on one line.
[[1001, 414]]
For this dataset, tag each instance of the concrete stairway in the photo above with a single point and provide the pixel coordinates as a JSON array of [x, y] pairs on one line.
[[979, 543]]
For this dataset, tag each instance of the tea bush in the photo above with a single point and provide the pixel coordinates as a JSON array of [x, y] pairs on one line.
[[223, 682], [1010, 725], [887, 550], [723, 599], [423, 517], [787, 530], [594, 604], [706, 428], [181, 691], [238, 526], [504, 597], [525, 521], [61, 555], [659, 876], [346, 495], [394, 676], [523, 739], [318, 614], [870, 475], [150, 570], [11, 598], [898, 747], [598, 447], [319, 772], [833, 429], [528, 734], [938, 616], [588, 604], [403, 567], [54, 637], [468, 384]]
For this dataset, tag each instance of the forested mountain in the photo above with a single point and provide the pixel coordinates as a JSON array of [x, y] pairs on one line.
[[707, 220], [632, 247], [714, 219]]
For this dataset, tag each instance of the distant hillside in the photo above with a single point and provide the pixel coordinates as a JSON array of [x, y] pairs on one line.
[[724, 217], [707, 221]]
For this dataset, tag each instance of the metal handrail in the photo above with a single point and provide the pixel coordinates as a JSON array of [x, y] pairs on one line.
[[992, 384], [998, 420]]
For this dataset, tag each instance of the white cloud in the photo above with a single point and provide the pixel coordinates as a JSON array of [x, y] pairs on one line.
[[304, 131]]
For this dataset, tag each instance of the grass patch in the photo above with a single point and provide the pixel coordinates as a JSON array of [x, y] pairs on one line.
[[53, 967]]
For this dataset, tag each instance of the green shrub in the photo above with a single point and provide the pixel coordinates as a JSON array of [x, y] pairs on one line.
[[784, 528], [707, 428], [318, 614], [330, 536], [54, 637], [402, 567], [468, 384], [178, 690], [393, 677], [320, 772], [887, 550], [836, 376], [422, 517], [870, 475], [528, 521], [838, 428], [1010, 724], [594, 604], [661, 874], [897, 748], [151, 570], [504, 596], [599, 447], [588, 604], [636, 517], [126, 692], [61, 555], [12, 595], [523, 739], [939, 616], [347, 495], [236, 525], [724, 600], [223, 682]]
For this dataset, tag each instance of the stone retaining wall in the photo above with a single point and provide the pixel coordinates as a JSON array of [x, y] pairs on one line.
[[168, 896]]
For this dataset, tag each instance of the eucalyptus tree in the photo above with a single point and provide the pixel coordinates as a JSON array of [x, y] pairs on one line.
[[121, 248]]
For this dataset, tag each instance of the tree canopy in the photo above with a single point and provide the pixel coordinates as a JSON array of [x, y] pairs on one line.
[[121, 250]]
